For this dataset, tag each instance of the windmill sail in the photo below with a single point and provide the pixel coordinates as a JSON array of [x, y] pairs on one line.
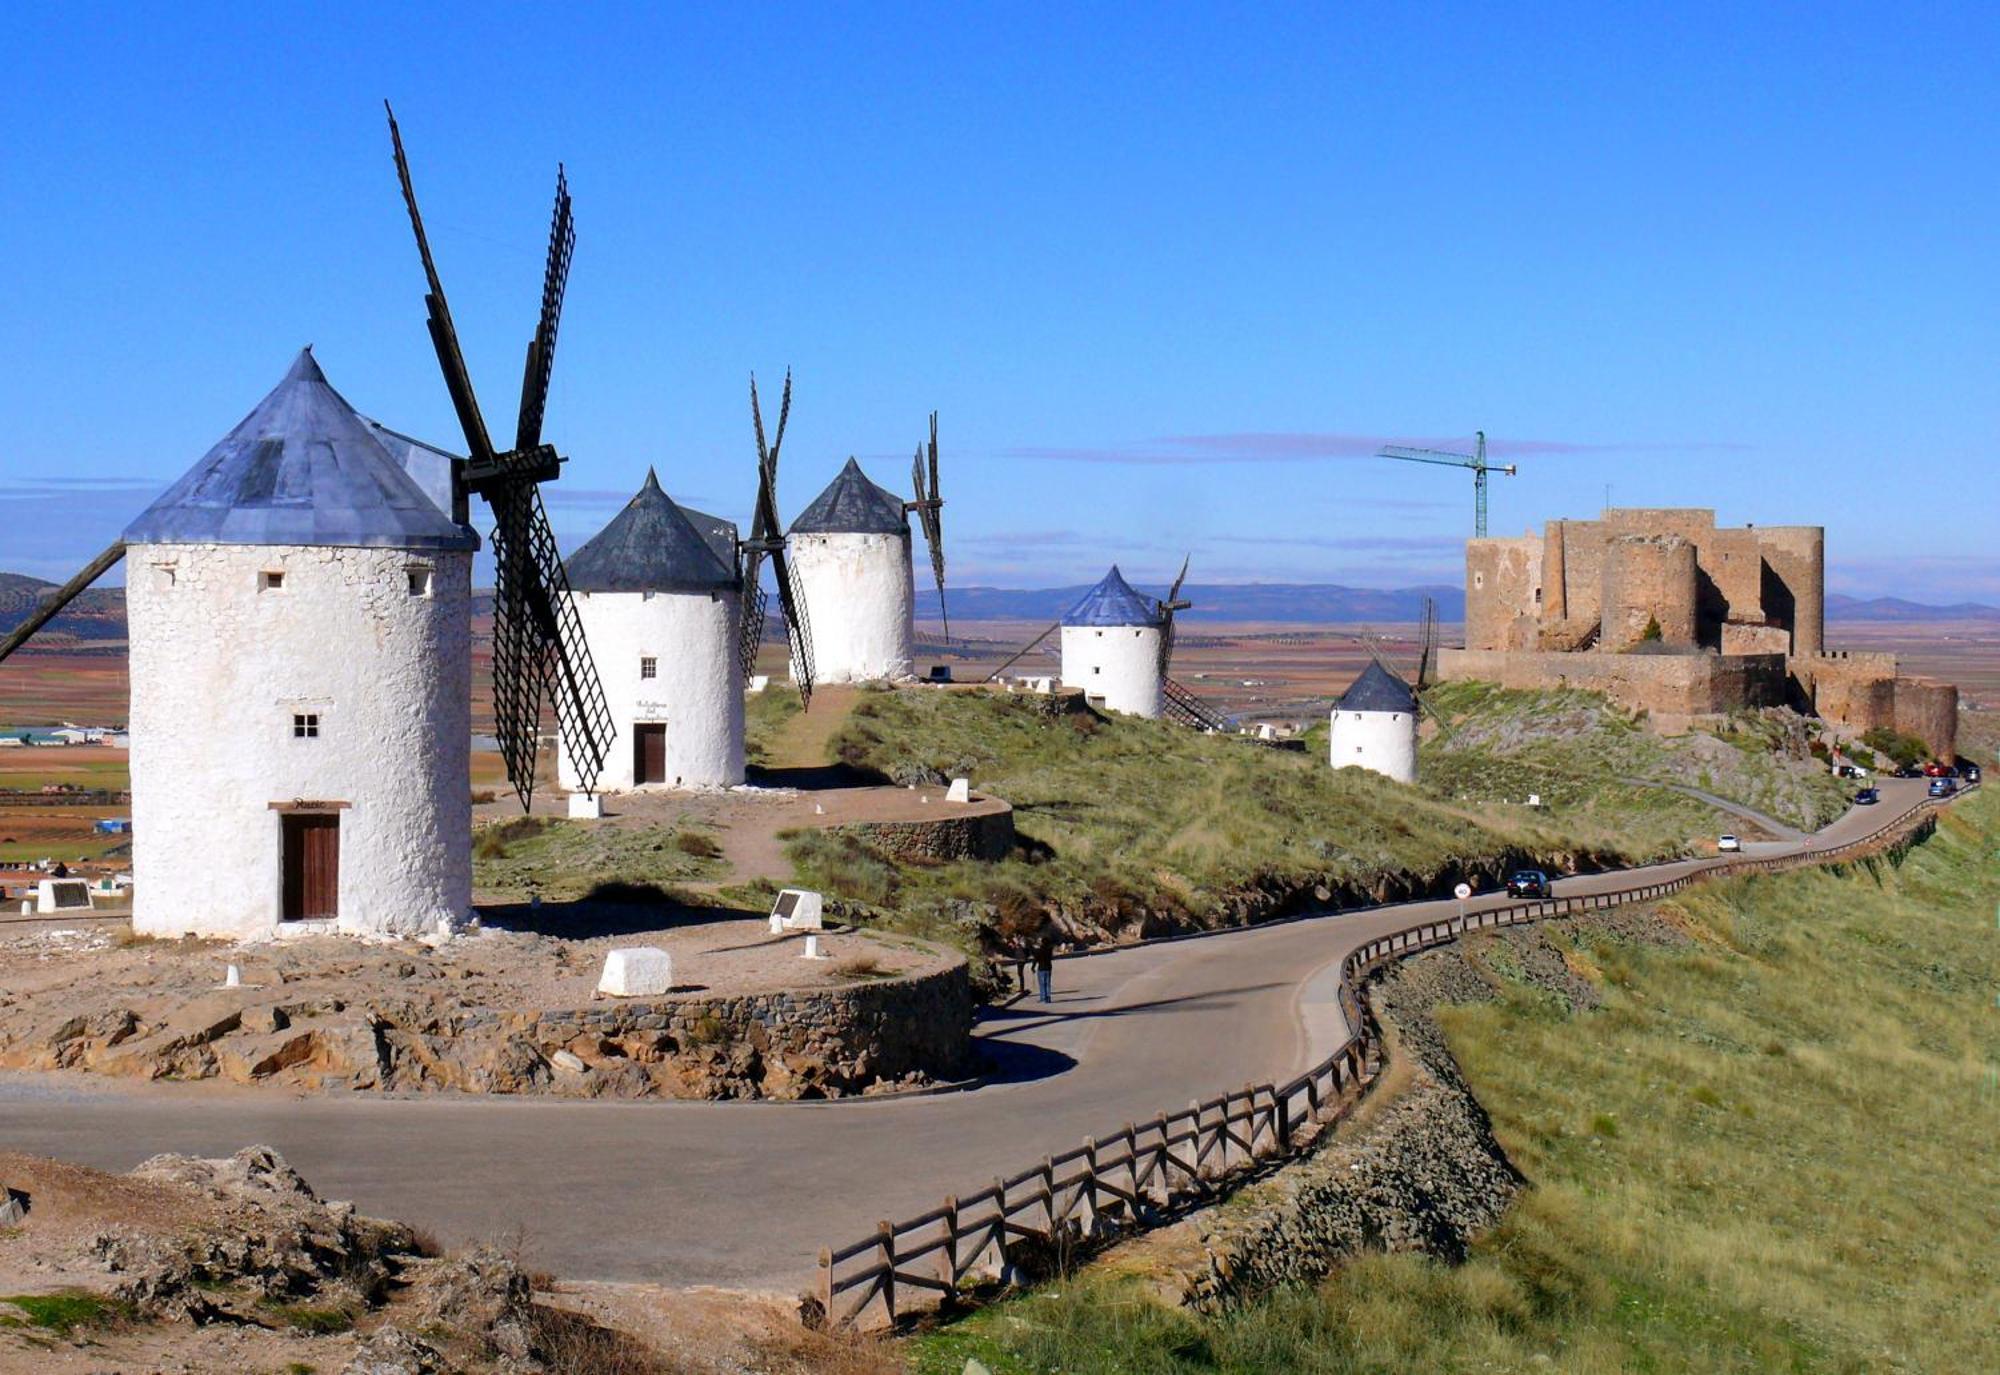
[[929, 507], [539, 652], [767, 538]]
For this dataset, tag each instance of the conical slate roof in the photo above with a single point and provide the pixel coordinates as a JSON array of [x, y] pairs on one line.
[[720, 534], [302, 468], [1113, 602], [852, 505], [650, 546], [1377, 689]]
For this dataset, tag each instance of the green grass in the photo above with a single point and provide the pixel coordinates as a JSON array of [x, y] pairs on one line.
[[1573, 748], [1136, 826], [313, 1320], [62, 1313], [764, 715], [562, 861], [1767, 1150]]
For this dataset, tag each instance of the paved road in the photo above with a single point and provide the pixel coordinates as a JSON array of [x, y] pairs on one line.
[[743, 1195]]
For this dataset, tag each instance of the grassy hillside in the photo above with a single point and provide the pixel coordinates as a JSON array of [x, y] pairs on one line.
[[1133, 825], [1565, 745], [1765, 1150]]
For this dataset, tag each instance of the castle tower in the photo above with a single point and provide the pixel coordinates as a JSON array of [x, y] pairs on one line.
[[659, 596], [1374, 726], [851, 549], [1111, 647], [301, 685]]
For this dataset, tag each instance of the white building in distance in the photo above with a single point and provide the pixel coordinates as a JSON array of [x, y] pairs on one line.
[[851, 548], [660, 599], [301, 685], [1374, 726], [1111, 648]]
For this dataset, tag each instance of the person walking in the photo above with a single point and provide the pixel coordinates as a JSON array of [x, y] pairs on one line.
[[1045, 962]]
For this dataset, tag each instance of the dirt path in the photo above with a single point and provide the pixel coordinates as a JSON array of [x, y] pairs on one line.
[[803, 741]]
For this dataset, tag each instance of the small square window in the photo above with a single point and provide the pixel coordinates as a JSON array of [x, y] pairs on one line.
[[420, 582], [1096, 668], [305, 725], [271, 580], [649, 667]]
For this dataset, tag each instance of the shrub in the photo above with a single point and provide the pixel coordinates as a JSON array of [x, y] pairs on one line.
[[1905, 751], [697, 843]]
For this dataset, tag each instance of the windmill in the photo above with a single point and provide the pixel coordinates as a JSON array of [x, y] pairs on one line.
[[539, 651], [928, 506], [767, 538], [1448, 459]]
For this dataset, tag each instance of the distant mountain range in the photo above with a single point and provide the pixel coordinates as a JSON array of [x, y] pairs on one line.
[[99, 614], [1310, 603], [1843, 608]]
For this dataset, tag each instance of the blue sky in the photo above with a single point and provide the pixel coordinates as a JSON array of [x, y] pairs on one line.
[[1168, 274]]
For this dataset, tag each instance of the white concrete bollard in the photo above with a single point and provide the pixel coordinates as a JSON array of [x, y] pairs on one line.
[[812, 949], [961, 790], [233, 978], [637, 971], [777, 925], [586, 807]]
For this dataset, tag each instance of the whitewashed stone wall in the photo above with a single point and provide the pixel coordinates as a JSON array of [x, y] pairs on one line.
[[1384, 741], [697, 692], [860, 600], [221, 663], [1120, 663]]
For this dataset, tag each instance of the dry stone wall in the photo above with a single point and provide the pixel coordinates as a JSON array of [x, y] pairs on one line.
[[1669, 684], [987, 833]]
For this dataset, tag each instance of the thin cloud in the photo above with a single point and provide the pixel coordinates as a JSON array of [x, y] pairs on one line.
[[1192, 450], [1413, 544]]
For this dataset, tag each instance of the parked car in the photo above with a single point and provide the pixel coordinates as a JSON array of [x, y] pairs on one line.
[[1530, 883], [1728, 844], [1850, 771], [1907, 772], [1969, 772], [1937, 769], [1867, 797], [1943, 787]]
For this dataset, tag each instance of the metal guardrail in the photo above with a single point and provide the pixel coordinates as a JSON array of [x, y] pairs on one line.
[[1121, 1182]]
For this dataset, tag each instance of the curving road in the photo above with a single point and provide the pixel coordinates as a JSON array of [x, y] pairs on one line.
[[744, 1194]]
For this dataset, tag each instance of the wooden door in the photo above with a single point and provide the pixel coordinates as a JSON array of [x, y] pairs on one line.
[[649, 754], [312, 865]]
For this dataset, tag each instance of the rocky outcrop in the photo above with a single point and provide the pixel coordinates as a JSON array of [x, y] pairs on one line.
[[869, 1034]]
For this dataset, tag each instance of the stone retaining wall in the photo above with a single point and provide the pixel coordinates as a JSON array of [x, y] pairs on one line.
[[811, 1043], [983, 834]]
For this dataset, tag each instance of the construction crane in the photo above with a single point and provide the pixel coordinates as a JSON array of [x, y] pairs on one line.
[[1446, 458]]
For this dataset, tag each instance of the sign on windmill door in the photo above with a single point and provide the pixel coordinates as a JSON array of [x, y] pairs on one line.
[[649, 753], [312, 865]]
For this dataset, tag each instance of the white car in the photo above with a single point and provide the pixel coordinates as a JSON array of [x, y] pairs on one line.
[[1728, 845]]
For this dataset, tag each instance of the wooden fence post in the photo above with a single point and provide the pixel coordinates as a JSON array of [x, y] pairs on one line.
[[885, 1246], [948, 1255]]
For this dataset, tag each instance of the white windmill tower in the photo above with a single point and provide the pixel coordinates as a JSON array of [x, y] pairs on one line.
[[301, 685], [852, 547], [1114, 647], [1374, 725], [660, 597]]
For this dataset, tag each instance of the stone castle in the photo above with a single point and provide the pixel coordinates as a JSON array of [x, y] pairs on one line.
[[1663, 611]]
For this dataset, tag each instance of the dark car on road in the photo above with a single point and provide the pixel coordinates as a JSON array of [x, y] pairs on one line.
[[1943, 787], [1907, 772], [1867, 797], [1530, 883], [1969, 772]]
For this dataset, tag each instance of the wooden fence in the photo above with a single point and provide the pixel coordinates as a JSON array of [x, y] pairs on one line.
[[1132, 1177]]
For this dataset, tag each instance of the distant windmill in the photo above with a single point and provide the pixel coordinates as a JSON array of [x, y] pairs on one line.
[[1448, 459], [767, 539], [928, 507], [539, 651]]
